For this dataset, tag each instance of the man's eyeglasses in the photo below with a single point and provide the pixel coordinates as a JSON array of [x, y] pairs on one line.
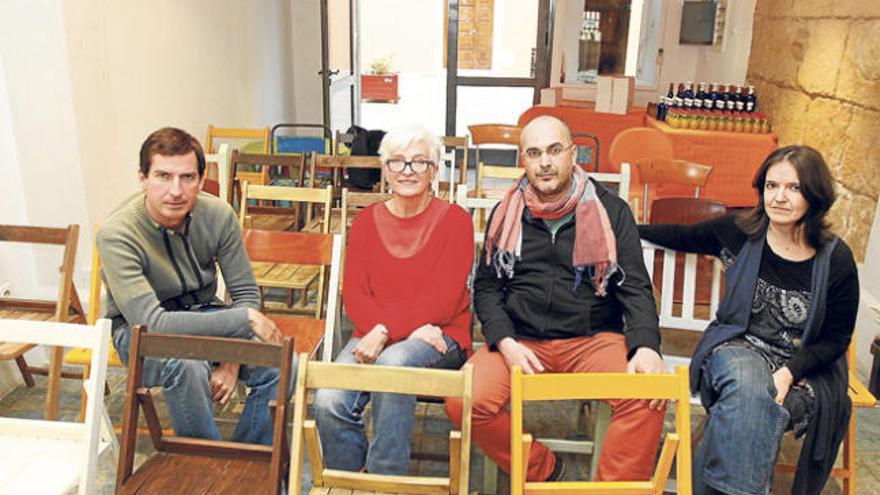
[[552, 151], [418, 166]]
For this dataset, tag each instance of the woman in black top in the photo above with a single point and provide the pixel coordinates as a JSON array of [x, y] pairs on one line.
[[773, 360]]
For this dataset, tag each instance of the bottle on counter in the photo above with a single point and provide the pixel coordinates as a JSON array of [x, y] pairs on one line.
[[720, 100], [751, 100], [689, 95], [701, 97], [661, 107], [730, 102]]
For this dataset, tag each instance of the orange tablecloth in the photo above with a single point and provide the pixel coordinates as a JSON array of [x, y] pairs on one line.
[[586, 120], [734, 158]]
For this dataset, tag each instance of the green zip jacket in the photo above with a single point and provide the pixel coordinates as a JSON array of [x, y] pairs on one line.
[[156, 276]]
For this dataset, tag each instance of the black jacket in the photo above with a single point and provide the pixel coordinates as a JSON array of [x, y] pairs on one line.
[[539, 303]]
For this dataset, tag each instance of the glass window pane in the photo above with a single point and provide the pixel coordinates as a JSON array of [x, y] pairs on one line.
[[496, 38], [490, 105]]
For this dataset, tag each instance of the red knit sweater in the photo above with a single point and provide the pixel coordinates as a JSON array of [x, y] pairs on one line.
[[404, 293]]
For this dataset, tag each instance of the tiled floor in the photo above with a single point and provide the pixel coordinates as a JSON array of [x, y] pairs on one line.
[[432, 429]]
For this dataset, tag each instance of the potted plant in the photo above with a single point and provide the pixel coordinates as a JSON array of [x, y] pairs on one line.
[[380, 83]]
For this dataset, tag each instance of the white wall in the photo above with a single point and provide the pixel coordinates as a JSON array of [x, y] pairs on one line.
[[305, 41], [412, 36], [82, 83], [868, 322]]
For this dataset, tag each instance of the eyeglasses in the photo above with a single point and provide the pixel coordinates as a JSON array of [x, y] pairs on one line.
[[552, 151], [418, 166]]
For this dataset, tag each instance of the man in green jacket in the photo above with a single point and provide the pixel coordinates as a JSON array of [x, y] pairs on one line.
[[160, 250]]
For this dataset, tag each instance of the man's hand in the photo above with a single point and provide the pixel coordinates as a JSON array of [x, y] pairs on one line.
[[432, 335], [782, 379], [516, 354], [371, 345], [647, 360], [223, 379], [264, 328]]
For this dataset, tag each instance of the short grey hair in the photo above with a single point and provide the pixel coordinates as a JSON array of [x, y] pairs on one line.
[[403, 136]]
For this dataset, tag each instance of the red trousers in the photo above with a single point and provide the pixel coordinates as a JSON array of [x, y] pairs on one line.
[[634, 431]]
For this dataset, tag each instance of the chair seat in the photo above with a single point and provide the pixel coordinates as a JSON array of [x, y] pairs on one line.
[[859, 394], [307, 333], [285, 276], [273, 222], [27, 460], [198, 475], [12, 350], [83, 357]]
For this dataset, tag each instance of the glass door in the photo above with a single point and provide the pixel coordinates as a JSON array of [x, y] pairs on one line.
[[340, 63], [497, 57]]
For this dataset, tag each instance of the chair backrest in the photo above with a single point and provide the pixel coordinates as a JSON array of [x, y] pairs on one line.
[[325, 142], [454, 155], [485, 136], [685, 318], [621, 179], [294, 195], [685, 210], [313, 375], [217, 172], [659, 171], [95, 337], [66, 305], [301, 248], [176, 346], [580, 386], [237, 134], [260, 163], [587, 146], [337, 163], [495, 172], [637, 143]]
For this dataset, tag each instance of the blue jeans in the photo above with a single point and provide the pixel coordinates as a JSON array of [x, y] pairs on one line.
[[338, 413], [744, 427], [187, 394]]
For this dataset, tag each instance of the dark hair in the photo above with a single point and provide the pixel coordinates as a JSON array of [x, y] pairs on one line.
[[817, 187], [169, 141]]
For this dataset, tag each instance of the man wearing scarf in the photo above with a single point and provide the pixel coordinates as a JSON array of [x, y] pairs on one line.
[[561, 287]]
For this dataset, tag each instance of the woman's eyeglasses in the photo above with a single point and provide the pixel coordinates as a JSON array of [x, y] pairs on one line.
[[418, 166]]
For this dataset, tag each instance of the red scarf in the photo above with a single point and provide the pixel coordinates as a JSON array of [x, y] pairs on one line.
[[595, 247]]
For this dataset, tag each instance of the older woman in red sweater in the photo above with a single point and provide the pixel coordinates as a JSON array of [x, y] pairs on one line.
[[405, 290]]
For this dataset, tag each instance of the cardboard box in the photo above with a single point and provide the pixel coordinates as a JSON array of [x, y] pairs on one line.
[[604, 93], [622, 98]]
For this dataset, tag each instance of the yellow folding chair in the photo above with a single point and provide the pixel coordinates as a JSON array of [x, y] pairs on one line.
[[578, 386]]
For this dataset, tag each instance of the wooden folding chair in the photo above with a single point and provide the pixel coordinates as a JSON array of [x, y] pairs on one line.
[[661, 171], [311, 250], [860, 397], [283, 275], [65, 308], [337, 164], [193, 465], [217, 172], [82, 356], [574, 386], [43, 456], [270, 218], [313, 375], [455, 151], [240, 139]]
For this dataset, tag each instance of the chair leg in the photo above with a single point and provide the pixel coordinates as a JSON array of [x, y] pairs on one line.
[[25, 373], [603, 417], [490, 476], [849, 457], [83, 397]]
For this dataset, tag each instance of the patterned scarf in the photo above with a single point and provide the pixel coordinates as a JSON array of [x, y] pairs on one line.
[[595, 247]]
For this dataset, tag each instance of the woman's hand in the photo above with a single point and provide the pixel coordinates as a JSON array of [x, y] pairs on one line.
[[782, 379], [432, 335], [371, 345]]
